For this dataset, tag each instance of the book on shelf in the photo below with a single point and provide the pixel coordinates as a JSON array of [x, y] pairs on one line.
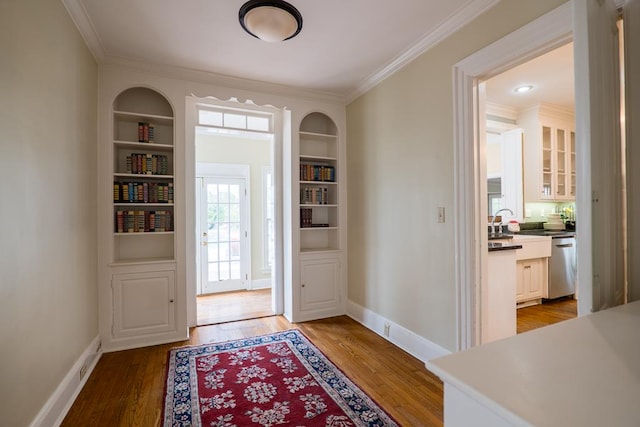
[[147, 164], [146, 132], [142, 192], [306, 219], [140, 221], [313, 172], [314, 195]]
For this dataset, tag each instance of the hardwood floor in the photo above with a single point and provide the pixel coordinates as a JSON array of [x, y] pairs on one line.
[[233, 306], [126, 388], [548, 313]]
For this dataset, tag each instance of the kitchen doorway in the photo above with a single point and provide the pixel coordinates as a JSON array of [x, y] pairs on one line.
[[600, 250], [531, 178]]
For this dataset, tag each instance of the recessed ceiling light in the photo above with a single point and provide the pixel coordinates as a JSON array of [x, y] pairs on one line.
[[523, 89]]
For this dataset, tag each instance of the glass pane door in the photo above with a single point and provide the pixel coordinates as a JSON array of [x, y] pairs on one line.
[[547, 173], [223, 235]]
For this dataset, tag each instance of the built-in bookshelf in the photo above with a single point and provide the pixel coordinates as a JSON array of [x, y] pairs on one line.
[[318, 184], [143, 177]]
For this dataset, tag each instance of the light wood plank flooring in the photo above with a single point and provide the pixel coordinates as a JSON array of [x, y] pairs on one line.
[[548, 313], [233, 306], [126, 388]]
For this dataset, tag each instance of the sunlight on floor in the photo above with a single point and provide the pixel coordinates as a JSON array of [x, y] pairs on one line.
[[232, 306]]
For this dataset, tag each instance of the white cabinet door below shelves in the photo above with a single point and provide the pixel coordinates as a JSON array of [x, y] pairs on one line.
[[143, 303], [319, 285]]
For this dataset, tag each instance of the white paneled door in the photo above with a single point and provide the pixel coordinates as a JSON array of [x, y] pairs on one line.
[[223, 235]]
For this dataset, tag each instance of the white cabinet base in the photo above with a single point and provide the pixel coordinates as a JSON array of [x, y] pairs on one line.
[[140, 307], [143, 303], [320, 287]]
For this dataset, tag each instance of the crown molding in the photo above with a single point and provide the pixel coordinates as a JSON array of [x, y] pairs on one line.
[[81, 19], [207, 77], [450, 26], [83, 23], [499, 110]]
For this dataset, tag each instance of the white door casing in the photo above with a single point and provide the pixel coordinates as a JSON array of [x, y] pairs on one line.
[[631, 16], [470, 234], [281, 132], [598, 157], [596, 119]]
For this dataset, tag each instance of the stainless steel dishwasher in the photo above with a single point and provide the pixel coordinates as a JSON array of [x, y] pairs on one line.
[[562, 267]]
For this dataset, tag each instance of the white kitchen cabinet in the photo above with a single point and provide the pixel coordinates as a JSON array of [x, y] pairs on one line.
[[498, 297], [532, 275], [320, 289], [550, 157], [531, 264], [143, 304]]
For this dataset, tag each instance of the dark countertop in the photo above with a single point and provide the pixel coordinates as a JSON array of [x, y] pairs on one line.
[[556, 234], [499, 246]]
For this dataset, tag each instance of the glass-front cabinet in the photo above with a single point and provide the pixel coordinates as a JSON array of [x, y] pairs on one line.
[[550, 154]]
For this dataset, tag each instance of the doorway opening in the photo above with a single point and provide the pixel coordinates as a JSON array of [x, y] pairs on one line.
[[530, 146], [542, 35], [234, 214]]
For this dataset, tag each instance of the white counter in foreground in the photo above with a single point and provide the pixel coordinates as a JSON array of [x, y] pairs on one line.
[[582, 372]]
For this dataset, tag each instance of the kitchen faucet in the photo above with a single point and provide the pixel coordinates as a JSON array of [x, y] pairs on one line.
[[493, 220]]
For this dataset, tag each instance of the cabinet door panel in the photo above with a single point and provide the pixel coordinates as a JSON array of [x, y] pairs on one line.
[[143, 303], [531, 280], [319, 281]]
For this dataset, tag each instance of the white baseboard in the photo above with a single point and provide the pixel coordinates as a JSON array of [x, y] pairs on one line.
[[56, 408], [412, 343], [261, 284]]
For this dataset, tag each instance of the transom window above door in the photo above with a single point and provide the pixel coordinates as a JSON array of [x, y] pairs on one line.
[[234, 119]]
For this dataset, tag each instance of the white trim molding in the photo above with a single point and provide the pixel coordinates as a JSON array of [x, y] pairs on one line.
[[59, 403], [417, 346], [85, 27], [261, 284], [540, 36], [450, 26]]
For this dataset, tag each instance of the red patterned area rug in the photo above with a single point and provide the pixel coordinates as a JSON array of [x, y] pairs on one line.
[[266, 381]]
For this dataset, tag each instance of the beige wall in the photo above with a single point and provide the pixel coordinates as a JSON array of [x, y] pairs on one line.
[[246, 151], [48, 272], [400, 170]]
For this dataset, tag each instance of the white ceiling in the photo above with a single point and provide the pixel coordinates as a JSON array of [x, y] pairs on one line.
[[552, 78], [345, 46]]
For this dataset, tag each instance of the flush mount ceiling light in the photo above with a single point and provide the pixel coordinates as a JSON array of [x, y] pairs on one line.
[[523, 89], [270, 20]]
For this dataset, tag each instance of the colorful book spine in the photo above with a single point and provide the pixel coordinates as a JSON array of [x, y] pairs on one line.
[[146, 132], [310, 172], [142, 221]]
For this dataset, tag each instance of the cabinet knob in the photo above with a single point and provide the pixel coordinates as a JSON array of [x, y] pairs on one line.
[[171, 301], [303, 285]]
